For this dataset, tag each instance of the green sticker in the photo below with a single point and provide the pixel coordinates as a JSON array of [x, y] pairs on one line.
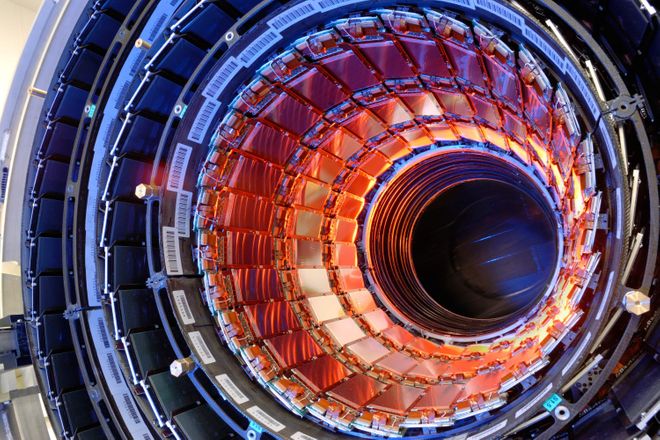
[[92, 109], [552, 402]]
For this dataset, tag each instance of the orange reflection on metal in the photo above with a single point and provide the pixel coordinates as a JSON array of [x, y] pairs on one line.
[[293, 348], [357, 391], [284, 187], [322, 373], [396, 399]]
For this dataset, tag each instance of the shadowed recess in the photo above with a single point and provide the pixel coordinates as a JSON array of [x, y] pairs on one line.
[[484, 249]]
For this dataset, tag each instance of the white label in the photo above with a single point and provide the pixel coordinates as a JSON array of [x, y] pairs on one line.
[[606, 296], [577, 354], [534, 401], [327, 5], [178, 167], [182, 213], [201, 348], [546, 48], [619, 217], [231, 389], [114, 378], [265, 419], [203, 120], [502, 12], [183, 307], [302, 436], [292, 15], [488, 432], [584, 89], [220, 79], [259, 46], [171, 251]]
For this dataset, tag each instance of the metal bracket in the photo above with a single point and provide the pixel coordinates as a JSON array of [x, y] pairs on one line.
[[72, 314], [528, 382], [588, 379], [569, 338], [593, 283], [624, 106], [157, 281], [75, 311], [598, 162]]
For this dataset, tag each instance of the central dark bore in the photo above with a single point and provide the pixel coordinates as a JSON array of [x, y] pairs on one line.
[[461, 243], [484, 249]]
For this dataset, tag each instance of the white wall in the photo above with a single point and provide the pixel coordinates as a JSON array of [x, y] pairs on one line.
[[16, 17]]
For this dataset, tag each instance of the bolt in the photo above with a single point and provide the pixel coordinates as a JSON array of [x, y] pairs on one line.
[[181, 366], [636, 302], [145, 191], [142, 44]]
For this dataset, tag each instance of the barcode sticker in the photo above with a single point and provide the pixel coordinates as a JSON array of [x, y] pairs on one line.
[[171, 251], [259, 46], [501, 11], [231, 389], [130, 407], [178, 168], [584, 89], [103, 332], [183, 213], [293, 15], [119, 97], [545, 47], [112, 367], [327, 5], [220, 79], [265, 419], [183, 307], [111, 371], [201, 348], [202, 122]]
